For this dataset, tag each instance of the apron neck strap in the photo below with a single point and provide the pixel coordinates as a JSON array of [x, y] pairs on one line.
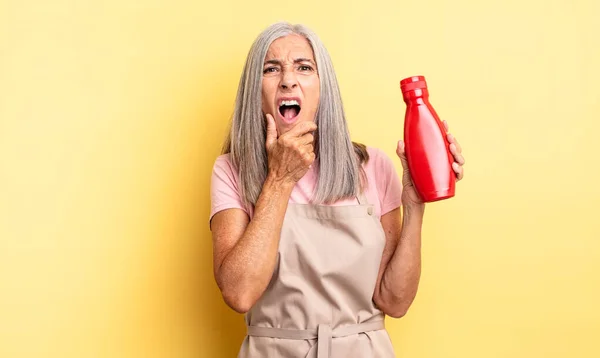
[[362, 198]]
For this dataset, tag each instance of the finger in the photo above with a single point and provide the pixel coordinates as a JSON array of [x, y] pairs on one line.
[[301, 128], [452, 139], [307, 148], [457, 156], [446, 125], [458, 170], [271, 131], [308, 138], [308, 156]]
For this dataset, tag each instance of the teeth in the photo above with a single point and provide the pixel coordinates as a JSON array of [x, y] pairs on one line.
[[292, 102]]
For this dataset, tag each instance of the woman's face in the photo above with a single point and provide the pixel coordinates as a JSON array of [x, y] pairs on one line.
[[290, 83]]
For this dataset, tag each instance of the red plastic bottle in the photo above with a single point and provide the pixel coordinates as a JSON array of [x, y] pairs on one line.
[[427, 148]]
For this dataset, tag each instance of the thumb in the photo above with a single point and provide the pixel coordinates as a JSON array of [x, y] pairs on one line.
[[402, 154], [406, 176], [271, 131]]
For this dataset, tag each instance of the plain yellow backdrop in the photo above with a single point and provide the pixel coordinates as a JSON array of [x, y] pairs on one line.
[[112, 113]]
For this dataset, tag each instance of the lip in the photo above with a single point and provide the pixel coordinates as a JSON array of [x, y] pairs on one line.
[[278, 104]]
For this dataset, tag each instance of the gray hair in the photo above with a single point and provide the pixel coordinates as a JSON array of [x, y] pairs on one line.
[[338, 166]]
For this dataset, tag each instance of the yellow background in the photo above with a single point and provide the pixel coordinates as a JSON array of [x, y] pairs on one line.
[[112, 113]]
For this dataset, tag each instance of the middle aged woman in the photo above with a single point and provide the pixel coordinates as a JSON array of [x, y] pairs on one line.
[[310, 241]]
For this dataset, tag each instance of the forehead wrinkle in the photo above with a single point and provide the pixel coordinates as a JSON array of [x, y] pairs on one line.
[[279, 53]]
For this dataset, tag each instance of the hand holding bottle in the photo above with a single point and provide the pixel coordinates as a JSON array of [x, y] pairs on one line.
[[409, 193], [431, 155]]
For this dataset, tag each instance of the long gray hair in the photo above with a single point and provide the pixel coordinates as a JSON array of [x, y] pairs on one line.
[[338, 166]]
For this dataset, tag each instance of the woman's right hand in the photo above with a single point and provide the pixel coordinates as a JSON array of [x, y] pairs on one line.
[[291, 154]]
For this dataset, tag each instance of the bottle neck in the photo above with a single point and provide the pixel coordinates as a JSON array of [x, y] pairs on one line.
[[417, 96]]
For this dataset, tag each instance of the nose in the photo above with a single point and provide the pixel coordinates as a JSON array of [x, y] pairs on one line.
[[289, 80]]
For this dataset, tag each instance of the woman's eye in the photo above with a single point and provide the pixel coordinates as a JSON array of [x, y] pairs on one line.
[[270, 70], [305, 68]]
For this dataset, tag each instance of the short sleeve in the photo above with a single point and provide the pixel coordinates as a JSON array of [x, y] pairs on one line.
[[224, 189], [389, 186]]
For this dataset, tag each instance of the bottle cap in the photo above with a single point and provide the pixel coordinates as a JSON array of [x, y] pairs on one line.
[[413, 83]]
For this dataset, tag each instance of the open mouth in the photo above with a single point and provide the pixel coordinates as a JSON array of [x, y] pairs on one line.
[[289, 109]]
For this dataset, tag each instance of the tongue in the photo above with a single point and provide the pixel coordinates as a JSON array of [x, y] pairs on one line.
[[290, 112]]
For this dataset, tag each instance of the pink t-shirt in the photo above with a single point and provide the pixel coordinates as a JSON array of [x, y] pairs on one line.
[[383, 190]]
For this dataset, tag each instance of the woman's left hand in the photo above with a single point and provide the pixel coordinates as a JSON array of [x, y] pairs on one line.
[[409, 192]]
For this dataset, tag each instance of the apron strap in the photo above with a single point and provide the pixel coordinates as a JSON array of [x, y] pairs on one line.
[[323, 334], [362, 198], [324, 338]]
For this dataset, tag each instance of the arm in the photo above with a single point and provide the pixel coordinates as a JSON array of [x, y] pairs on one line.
[[400, 268], [244, 250]]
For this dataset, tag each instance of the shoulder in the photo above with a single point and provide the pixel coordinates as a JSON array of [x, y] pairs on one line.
[[224, 188], [383, 179], [378, 168], [224, 172], [378, 159], [223, 160], [224, 165]]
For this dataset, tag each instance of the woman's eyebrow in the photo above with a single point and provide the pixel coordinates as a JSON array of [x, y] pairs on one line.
[[273, 62], [297, 60]]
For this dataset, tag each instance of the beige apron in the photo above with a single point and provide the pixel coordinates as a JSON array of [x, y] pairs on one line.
[[319, 301]]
